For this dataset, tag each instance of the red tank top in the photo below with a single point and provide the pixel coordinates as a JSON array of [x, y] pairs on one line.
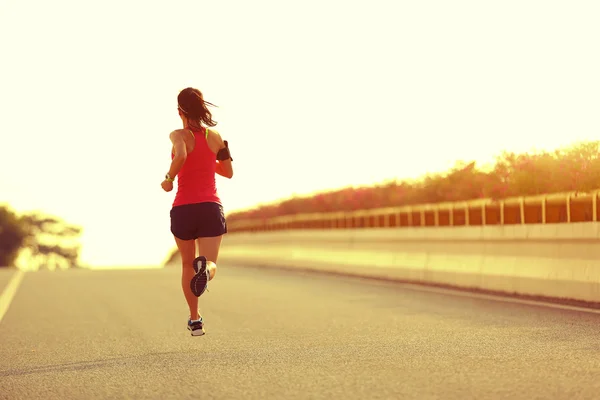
[[196, 180]]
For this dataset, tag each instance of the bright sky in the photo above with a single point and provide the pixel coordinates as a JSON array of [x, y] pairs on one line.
[[312, 95]]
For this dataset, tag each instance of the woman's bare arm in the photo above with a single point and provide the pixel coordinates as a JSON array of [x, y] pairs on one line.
[[179, 153], [223, 169]]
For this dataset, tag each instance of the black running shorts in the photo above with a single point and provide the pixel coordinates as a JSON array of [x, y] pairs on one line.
[[192, 221]]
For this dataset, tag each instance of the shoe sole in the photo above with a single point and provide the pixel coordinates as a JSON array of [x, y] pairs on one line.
[[199, 282], [198, 332]]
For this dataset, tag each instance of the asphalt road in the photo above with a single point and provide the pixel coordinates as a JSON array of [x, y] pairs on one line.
[[284, 335]]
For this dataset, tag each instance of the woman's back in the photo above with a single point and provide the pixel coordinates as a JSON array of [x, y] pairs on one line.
[[196, 180]]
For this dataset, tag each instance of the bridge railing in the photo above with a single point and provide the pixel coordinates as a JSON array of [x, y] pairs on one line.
[[542, 209]]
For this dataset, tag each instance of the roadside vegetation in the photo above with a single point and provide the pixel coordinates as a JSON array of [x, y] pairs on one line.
[[39, 240], [575, 168]]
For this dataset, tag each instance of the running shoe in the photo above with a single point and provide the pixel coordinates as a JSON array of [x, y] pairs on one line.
[[196, 327]]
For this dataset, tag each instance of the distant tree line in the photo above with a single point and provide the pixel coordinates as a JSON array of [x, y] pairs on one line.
[[43, 240], [575, 168]]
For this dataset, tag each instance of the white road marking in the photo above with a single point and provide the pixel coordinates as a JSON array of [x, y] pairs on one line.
[[9, 292]]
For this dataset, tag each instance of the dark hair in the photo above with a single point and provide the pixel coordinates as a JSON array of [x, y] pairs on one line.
[[194, 107]]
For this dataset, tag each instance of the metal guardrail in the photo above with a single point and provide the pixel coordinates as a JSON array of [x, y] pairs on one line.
[[551, 208]]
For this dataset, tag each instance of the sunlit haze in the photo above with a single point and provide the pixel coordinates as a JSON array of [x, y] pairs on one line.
[[312, 95]]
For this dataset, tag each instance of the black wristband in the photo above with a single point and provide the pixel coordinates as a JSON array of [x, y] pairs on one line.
[[224, 153]]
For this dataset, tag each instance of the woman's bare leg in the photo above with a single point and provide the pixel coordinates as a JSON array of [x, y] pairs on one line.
[[209, 248], [187, 249]]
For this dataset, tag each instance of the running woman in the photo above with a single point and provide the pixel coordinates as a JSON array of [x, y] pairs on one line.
[[197, 154]]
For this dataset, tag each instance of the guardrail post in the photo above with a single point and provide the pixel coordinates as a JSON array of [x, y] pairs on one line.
[[451, 215], [501, 212], [483, 222], [467, 214], [410, 218], [568, 208], [436, 216], [544, 202], [595, 207], [422, 217], [386, 220]]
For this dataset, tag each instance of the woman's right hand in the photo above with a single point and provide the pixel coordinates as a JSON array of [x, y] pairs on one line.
[[167, 185]]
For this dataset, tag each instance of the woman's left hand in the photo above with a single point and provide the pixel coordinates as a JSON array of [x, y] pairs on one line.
[[167, 185]]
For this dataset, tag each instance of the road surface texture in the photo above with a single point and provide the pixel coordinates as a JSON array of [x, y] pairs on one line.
[[274, 334]]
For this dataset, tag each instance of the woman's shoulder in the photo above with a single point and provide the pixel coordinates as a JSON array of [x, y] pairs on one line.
[[213, 137], [178, 132]]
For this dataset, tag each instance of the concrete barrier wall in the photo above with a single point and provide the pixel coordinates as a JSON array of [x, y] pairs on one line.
[[560, 261]]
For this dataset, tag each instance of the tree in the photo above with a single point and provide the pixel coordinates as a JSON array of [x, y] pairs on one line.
[[50, 241], [12, 237], [42, 240]]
